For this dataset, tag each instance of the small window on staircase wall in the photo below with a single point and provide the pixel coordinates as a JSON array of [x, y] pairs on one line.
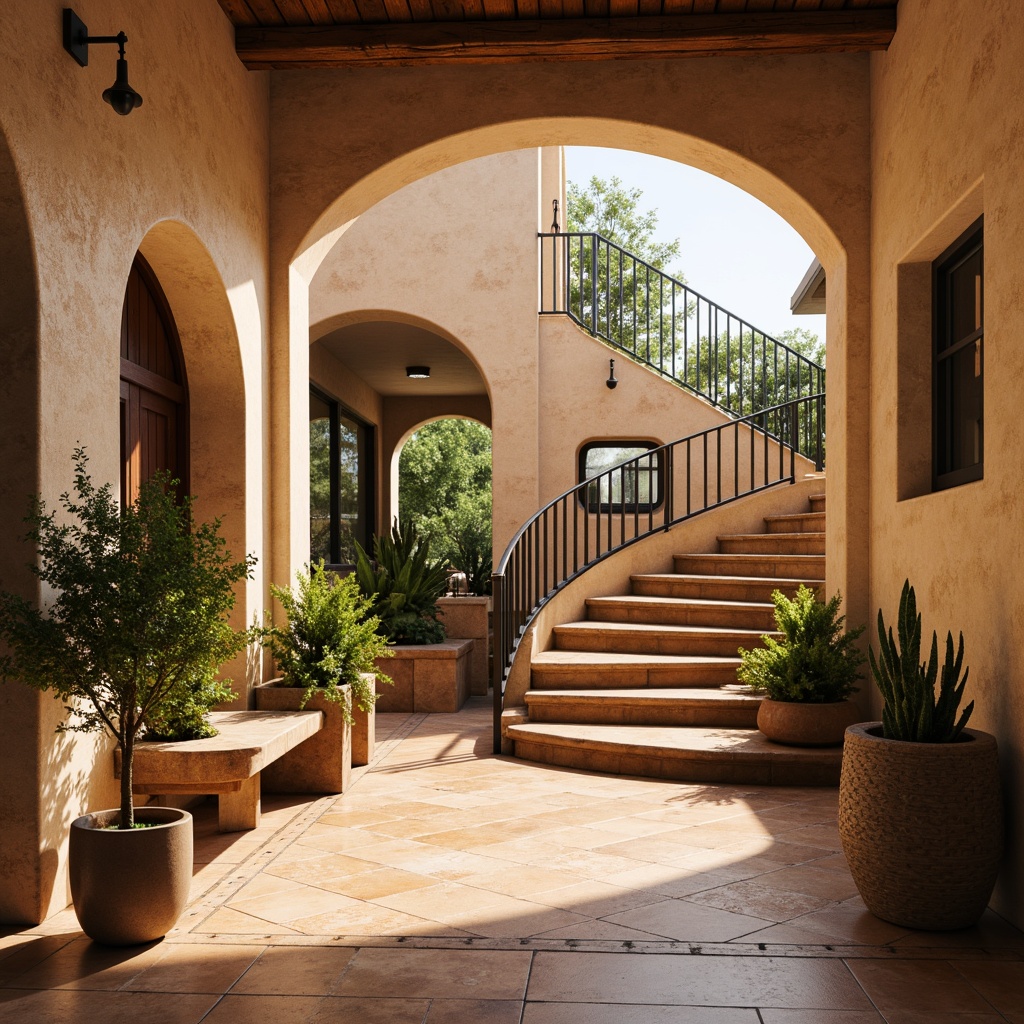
[[636, 487]]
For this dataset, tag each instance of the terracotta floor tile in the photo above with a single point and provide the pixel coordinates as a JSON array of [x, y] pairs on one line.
[[521, 880], [231, 922], [373, 884], [758, 900], [831, 884], [441, 902], [1001, 983], [690, 922], [285, 907], [668, 880], [316, 1010], [265, 884], [64, 1007], [295, 971], [589, 1013], [196, 968], [846, 924], [596, 899], [331, 839], [86, 965], [938, 1017], [919, 985], [369, 919], [438, 974], [474, 1011], [693, 981], [821, 1017], [23, 952]]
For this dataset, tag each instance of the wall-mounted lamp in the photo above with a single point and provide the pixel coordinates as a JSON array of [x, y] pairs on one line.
[[417, 372], [612, 382], [121, 96], [554, 222]]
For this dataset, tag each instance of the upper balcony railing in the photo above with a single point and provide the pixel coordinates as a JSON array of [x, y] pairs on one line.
[[668, 327]]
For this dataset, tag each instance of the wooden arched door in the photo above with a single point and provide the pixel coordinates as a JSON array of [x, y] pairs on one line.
[[154, 390]]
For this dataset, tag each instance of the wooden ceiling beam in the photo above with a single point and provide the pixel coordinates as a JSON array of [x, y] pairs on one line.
[[558, 39]]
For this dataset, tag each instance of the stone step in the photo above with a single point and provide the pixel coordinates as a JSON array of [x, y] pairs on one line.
[[717, 588], [668, 706], [642, 638], [802, 522], [685, 753], [811, 567], [772, 543], [682, 612], [817, 502], [590, 670]]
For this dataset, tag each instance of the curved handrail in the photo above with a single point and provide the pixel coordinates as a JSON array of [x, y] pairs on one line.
[[636, 498], [665, 325]]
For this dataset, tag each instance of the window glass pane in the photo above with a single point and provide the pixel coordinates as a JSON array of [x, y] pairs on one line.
[[965, 298], [348, 486], [319, 479], [600, 459], [959, 384], [625, 488]]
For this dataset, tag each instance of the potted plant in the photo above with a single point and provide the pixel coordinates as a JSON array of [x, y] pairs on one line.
[[920, 809], [136, 625], [403, 586], [326, 654], [808, 676]]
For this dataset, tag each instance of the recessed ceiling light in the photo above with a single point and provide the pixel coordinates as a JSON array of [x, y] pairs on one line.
[[417, 372]]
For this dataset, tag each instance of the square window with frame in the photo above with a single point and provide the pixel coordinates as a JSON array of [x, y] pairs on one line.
[[633, 488], [958, 362]]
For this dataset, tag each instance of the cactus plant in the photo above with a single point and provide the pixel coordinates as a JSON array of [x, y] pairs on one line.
[[912, 710]]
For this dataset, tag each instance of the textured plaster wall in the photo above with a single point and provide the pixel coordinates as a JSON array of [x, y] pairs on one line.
[[792, 131], [946, 145], [184, 178]]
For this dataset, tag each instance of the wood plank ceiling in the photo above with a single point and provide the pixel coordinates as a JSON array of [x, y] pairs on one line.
[[273, 34]]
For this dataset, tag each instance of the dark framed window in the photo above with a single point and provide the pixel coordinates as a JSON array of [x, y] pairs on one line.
[[341, 481], [958, 378], [637, 487]]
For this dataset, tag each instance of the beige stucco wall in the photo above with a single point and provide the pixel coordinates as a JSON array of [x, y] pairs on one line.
[[184, 178], [946, 146]]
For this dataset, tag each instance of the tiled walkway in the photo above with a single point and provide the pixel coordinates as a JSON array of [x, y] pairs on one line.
[[452, 887]]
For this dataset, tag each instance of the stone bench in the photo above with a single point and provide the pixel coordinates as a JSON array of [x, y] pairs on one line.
[[228, 764]]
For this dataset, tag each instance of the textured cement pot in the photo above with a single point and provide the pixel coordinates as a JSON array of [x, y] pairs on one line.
[[321, 764], [921, 826], [800, 724], [130, 887]]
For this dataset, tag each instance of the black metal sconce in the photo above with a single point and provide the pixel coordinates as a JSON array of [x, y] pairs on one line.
[[612, 382], [121, 96], [554, 222]]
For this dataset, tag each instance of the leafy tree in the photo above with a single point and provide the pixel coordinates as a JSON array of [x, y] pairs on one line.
[[444, 488], [616, 290]]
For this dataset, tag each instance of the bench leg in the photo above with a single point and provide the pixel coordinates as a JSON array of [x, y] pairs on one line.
[[239, 811]]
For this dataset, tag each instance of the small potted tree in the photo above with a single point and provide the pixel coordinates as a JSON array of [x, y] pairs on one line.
[[133, 633], [920, 807], [327, 654], [808, 676]]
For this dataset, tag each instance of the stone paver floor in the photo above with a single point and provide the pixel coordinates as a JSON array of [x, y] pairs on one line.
[[449, 886]]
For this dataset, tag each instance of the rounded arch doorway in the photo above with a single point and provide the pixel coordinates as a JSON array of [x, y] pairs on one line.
[[154, 388]]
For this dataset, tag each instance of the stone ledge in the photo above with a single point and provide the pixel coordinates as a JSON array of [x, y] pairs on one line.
[[431, 678]]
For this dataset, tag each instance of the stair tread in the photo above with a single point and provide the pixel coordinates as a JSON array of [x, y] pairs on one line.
[[591, 659], [700, 602], [648, 696], [709, 743], [783, 517], [800, 535], [651, 627], [689, 577], [742, 557]]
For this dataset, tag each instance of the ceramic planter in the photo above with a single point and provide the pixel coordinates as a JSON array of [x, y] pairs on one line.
[[364, 728], [800, 724], [321, 764], [921, 826], [130, 887]]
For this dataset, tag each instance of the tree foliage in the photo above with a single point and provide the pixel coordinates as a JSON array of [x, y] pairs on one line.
[[444, 488], [138, 617]]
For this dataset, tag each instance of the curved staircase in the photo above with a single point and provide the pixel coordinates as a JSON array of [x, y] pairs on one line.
[[646, 685]]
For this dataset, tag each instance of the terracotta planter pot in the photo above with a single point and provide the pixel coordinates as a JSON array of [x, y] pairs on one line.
[[921, 826], [130, 887], [321, 764], [806, 725]]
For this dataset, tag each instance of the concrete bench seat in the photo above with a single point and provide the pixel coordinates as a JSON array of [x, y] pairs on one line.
[[228, 764]]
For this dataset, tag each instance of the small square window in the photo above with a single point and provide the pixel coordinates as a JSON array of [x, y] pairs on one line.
[[635, 487], [958, 369]]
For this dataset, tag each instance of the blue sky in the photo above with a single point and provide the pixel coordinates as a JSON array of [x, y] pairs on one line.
[[733, 249]]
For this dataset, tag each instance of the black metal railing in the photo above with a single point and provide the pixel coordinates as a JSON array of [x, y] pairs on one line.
[[637, 498], [675, 331]]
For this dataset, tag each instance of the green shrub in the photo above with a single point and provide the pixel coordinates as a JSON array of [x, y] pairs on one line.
[[815, 662], [403, 587], [912, 711], [138, 613], [330, 639], [185, 714]]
